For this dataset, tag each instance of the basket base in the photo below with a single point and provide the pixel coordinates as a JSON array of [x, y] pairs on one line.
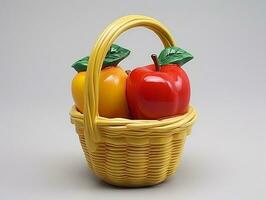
[[130, 164], [131, 184], [127, 181]]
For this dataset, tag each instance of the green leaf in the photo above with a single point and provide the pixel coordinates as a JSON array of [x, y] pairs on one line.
[[81, 65], [174, 55], [112, 58], [115, 55]]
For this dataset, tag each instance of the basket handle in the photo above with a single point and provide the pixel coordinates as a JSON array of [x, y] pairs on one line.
[[99, 51]]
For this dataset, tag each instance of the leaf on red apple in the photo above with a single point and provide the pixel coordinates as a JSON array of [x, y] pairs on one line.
[[174, 55], [115, 55]]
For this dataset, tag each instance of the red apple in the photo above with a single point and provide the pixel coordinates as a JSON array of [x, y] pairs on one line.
[[156, 91]]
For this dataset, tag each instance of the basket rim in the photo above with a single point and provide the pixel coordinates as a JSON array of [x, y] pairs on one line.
[[120, 124], [75, 113]]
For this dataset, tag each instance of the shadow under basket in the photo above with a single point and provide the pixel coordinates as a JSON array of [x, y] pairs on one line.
[[125, 152]]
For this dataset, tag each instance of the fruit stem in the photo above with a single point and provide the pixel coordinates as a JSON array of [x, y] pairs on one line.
[[156, 62], [128, 71]]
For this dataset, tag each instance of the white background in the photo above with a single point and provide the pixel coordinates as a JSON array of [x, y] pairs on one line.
[[41, 158]]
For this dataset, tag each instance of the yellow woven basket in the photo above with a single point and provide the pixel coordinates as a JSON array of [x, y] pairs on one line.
[[124, 152]]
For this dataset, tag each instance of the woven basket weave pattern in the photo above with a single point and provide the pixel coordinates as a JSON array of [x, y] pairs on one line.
[[128, 152]]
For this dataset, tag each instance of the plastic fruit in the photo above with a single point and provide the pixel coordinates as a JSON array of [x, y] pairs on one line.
[[161, 89], [112, 86], [77, 88], [112, 93]]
